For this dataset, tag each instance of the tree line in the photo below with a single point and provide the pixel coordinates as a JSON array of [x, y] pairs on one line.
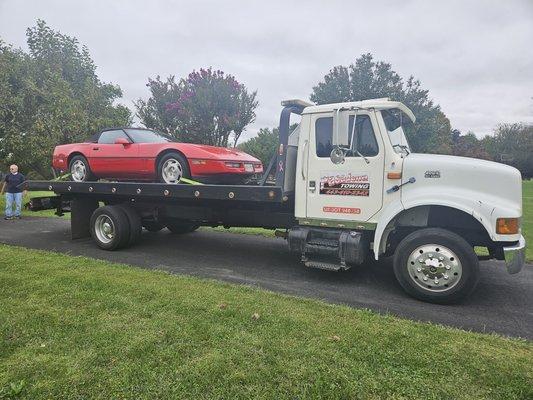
[[52, 95]]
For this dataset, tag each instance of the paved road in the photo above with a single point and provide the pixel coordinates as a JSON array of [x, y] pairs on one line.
[[501, 303]]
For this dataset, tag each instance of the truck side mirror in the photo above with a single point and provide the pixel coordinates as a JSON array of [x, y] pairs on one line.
[[337, 155], [340, 135]]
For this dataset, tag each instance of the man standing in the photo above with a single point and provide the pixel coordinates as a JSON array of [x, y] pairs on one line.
[[13, 193]]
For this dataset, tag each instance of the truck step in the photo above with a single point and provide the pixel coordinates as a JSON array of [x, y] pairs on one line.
[[328, 266]]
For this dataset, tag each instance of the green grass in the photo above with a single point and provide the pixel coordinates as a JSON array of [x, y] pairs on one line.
[[245, 231], [44, 213], [72, 327]]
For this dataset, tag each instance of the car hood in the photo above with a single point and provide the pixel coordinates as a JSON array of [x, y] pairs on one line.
[[212, 152]]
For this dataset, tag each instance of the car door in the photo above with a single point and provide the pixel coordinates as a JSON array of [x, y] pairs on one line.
[[108, 159], [351, 190]]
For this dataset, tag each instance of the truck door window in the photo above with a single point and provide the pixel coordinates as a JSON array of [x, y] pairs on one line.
[[366, 139]]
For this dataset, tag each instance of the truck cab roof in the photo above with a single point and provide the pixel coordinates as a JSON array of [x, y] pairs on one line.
[[377, 104]]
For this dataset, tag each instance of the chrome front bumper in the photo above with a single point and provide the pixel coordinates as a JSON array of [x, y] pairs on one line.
[[515, 256]]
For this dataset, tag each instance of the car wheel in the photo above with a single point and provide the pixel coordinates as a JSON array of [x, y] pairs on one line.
[[79, 169], [153, 226], [172, 167], [110, 228], [134, 220], [436, 265], [181, 228]]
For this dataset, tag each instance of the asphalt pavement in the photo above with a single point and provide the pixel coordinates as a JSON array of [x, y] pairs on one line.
[[501, 303]]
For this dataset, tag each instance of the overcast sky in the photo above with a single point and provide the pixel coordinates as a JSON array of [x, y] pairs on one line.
[[475, 57]]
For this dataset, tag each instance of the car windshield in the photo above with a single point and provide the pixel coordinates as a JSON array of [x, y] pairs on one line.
[[147, 136], [397, 122]]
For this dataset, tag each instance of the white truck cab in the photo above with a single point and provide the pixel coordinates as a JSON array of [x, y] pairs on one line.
[[356, 177]]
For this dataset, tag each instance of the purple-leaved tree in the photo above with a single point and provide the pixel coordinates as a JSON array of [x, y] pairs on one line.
[[208, 107]]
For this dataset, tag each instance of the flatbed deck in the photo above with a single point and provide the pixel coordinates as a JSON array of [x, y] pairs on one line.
[[236, 193]]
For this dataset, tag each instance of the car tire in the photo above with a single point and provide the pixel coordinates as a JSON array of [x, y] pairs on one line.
[[172, 167], [134, 220], [110, 228], [79, 169], [182, 228], [152, 226], [436, 266]]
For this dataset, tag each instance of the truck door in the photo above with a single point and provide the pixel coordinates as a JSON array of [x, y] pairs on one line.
[[351, 190]]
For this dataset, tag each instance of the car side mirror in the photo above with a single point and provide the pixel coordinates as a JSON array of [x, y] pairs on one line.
[[122, 141]]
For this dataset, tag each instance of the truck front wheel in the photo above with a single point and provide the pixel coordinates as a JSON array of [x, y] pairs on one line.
[[436, 265]]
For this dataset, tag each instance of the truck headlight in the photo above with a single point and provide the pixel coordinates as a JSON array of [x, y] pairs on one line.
[[507, 226]]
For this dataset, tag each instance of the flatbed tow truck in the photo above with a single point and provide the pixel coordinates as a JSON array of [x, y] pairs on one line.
[[344, 186]]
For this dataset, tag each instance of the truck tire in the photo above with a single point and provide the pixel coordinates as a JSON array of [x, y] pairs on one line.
[[134, 220], [181, 228], [436, 265], [172, 167], [152, 226], [79, 169], [110, 228]]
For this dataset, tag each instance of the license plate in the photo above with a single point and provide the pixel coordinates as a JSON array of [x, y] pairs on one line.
[[249, 167]]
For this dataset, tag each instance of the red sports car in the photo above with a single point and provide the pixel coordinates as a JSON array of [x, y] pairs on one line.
[[143, 154]]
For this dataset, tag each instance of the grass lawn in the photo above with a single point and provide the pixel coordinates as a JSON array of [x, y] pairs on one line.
[[73, 327], [45, 213]]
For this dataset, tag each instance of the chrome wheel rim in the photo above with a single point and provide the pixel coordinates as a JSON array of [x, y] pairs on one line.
[[78, 170], [434, 267], [172, 171], [104, 229]]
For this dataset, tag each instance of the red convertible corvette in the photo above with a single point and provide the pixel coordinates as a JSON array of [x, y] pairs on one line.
[[143, 154]]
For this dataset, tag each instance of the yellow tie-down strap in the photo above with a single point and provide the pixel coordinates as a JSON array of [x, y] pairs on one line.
[[190, 181]]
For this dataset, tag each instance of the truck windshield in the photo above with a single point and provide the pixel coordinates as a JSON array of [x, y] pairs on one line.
[[148, 136], [396, 122]]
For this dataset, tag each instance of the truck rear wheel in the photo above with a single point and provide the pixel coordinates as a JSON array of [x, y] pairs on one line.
[[436, 265], [110, 228], [135, 224]]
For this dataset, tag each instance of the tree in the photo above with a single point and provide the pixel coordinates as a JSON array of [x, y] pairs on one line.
[[263, 146], [512, 144], [367, 79], [207, 107], [51, 96], [468, 145]]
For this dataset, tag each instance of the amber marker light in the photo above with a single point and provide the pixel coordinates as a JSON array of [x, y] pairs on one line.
[[394, 175], [507, 226]]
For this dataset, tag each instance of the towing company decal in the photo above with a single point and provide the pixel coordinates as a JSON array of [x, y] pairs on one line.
[[341, 210], [344, 184]]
